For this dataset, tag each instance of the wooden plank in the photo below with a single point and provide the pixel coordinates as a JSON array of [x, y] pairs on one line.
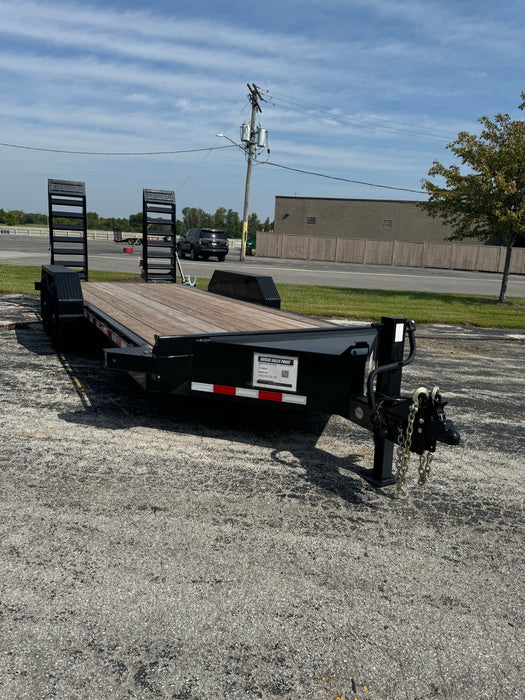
[[233, 314], [139, 315], [165, 320], [119, 311], [172, 309]]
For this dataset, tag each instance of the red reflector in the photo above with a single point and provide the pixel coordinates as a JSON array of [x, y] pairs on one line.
[[270, 396], [218, 389]]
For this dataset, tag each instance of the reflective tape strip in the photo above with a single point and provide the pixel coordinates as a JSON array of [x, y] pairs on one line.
[[248, 393], [107, 331]]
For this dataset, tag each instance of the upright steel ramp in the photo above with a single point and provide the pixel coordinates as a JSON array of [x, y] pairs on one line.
[[159, 261], [67, 213]]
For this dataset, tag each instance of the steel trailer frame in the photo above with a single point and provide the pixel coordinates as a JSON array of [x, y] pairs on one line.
[[355, 372]]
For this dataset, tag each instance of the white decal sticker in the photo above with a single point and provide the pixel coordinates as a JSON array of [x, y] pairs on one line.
[[275, 372]]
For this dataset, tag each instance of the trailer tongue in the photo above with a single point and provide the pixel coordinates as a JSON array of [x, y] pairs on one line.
[[231, 342]]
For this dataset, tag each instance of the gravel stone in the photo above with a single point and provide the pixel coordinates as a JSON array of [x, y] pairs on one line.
[[166, 548]]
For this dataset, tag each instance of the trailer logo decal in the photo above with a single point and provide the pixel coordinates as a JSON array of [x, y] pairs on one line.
[[248, 393], [275, 372]]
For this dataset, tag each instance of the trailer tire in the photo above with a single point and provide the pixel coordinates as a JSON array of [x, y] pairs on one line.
[[65, 334], [57, 333], [56, 329]]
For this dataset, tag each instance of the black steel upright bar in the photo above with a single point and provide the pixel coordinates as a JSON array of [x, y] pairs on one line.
[[391, 347]]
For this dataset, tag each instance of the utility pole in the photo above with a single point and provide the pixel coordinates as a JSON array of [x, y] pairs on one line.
[[254, 98]]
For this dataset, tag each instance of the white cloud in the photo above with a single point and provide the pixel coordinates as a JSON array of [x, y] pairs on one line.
[[81, 77]]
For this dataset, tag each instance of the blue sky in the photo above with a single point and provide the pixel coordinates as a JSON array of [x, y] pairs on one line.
[[363, 90]]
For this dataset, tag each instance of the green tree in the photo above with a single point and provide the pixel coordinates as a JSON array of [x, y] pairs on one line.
[[268, 225], [3, 215], [193, 217], [232, 224], [254, 224], [92, 220], [36, 219], [135, 222], [219, 218], [14, 217], [488, 201]]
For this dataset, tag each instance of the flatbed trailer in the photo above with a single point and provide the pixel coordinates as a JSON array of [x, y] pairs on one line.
[[235, 343], [181, 340]]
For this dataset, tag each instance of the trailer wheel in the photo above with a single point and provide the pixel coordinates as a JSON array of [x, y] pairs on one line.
[[57, 333], [65, 334]]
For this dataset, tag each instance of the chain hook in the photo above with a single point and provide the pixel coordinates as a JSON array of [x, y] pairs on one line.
[[406, 444]]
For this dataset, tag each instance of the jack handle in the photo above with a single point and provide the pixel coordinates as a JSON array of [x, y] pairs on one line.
[[410, 328]]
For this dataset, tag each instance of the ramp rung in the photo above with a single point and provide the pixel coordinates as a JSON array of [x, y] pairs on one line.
[[69, 251], [155, 276], [152, 256], [68, 202], [160, 244], [68, 239], [66, 227], [158, 232], [68, 214], [70, 263], [159, 210]]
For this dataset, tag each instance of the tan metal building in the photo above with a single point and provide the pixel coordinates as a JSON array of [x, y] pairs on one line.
[[371, 219]]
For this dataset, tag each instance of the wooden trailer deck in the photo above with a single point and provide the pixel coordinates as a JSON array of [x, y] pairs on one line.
[[149, 309]]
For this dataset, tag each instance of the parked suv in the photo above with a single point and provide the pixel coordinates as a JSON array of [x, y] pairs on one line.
[[203, 243]]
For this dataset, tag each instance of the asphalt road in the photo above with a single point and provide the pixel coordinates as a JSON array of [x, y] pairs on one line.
[[165, 549], [28, 250]]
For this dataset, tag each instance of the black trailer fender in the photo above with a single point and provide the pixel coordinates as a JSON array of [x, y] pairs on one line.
[[61, 304]]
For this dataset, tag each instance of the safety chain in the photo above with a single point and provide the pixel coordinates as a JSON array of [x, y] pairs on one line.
[[403, 458], [404, 449], [425, 460]]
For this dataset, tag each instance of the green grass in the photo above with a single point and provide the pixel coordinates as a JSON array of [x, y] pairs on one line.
[[340, 302], [20, 279], [422, 307]]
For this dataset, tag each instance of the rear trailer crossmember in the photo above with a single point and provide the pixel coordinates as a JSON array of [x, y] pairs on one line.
[[354, 372]]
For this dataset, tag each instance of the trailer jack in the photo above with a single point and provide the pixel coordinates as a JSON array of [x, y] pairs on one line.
[[415, 424]]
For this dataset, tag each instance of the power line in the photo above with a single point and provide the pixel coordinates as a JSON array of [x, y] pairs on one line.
[[108, 153], [359, 120], [342, 179], [194, 170]]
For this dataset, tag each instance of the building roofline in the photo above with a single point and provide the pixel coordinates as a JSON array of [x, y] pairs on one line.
[[351, 199]]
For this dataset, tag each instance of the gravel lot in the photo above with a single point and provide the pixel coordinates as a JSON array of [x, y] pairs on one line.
[[172, 549]]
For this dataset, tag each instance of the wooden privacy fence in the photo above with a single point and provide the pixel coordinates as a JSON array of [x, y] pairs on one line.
[[448, 256]]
